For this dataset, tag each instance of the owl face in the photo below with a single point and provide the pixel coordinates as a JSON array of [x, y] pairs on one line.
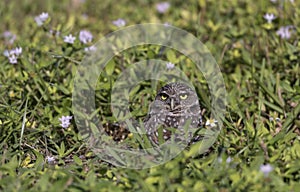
[[177, 97]]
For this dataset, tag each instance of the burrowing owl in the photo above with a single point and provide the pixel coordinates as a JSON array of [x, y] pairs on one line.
[[175, 106]]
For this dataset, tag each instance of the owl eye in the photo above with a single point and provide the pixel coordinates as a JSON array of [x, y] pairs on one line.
[[183, 96], [163, 96]]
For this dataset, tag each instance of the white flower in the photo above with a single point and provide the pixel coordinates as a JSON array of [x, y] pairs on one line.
[[44, 16], [12, 59], [170, 65], [90, 49], [9, 37], [162, 7], [228, 160], [166, 24], [6, 53], [266, 169], [50, 159], [41, 18], [284, 32], [119, 22], [269, 17], [65, 121], [18, 51], [7, 34], [38, 21], [85, 36], [211, 123], [69, 39], [13, 54]]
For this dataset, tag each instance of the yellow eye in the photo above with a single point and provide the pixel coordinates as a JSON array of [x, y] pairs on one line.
[[183, 96], [164, 97]]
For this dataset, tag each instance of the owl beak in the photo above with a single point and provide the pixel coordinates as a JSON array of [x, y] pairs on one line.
[[172, 103]]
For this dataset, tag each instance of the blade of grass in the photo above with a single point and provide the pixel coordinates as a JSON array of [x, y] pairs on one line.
[[23, 122], [269, 92], [289, 120]]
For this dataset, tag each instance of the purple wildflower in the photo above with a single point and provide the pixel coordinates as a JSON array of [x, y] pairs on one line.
[[119, 22], [65, 121], [13, 54], [162, 7], [12, 59], [266, 169], [9, 37], [284, 32], [170, 65], [6, 53], [269, 17], [85, 36], [228, 160], [41, 18], [17, 51], [90, 48], [50, 159]]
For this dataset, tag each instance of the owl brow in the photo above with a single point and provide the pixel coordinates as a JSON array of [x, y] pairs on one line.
[[164, 92], [183, 92]]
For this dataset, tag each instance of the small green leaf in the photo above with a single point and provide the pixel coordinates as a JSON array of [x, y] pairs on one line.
[[77, 160], [110, 67]]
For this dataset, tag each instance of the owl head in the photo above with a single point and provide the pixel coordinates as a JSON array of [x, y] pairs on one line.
[[178, 98]]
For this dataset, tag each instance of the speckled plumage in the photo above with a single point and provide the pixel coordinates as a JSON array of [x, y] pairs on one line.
[[176, 106]]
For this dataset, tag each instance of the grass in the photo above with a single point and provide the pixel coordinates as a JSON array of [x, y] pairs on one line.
[[261, 73]]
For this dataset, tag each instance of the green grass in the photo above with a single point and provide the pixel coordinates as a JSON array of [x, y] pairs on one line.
[[261, 73]]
